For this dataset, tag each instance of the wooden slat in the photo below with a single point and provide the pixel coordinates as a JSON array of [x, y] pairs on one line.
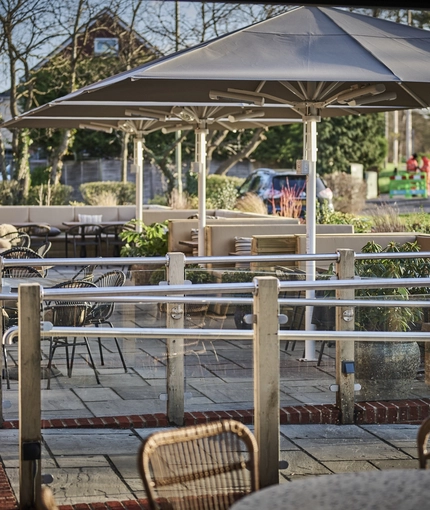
[[273, 245]]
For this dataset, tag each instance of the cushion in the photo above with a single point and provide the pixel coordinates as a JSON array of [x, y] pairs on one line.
[[7, 228], [90, 218], [54, 231], [4, 245]]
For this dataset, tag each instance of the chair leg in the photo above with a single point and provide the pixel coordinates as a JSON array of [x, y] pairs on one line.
[[99, 340], [52, 349], [69, 370], [6, 368], [91, 359], [321, 352], [119, 349]]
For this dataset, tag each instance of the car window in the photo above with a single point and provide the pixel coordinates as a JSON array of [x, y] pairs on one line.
[[297, 183], [321, 185], [251, 184]]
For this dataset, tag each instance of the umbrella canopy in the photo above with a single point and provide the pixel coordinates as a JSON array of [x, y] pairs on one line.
[[275, 60]]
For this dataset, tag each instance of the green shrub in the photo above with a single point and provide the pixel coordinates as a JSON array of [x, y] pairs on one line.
[[159, 200], [417, 222], [40, 175], [9, 192], [221, 191], [122, 193], [45, 194], [327, 217], [193, 272], [151, 242]]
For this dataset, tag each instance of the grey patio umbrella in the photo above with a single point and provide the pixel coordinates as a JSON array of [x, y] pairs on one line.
[[314, 62], [140, 122]]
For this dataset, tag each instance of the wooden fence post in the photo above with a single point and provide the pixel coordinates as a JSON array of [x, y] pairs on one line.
[[345, 321], [266, 378], [175, 374], [29, 374]]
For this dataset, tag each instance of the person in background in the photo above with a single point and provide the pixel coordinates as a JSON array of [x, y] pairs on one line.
[[425, 167], [412, 164]]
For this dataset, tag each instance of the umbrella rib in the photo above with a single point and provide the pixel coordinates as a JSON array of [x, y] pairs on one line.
[[292, 89], [302, 88], [330, 89], [318, 90], [412, 94]]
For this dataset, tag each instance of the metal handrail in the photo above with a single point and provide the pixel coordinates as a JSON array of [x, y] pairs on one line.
[[238, 288], [225, 334], [127, 261]]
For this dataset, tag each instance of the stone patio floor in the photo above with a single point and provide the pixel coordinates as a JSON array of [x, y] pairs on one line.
[[99, 465]]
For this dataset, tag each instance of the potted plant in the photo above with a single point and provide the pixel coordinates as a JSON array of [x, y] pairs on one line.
[[150, 242], [387, 369]]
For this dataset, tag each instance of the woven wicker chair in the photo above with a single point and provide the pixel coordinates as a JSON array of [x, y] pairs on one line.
[[199, 467], [86, 274], [17, 238], [20, 252], [422, 440]]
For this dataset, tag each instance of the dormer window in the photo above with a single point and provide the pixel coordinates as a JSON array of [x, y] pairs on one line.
[[106, 46]]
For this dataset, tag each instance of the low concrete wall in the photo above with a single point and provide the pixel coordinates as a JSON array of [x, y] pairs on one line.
[[220, 239], [180, 230]]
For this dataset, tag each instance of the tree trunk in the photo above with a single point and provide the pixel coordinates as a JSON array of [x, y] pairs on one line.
[[255, 141], [56, 158], [124, 155], [22, 172], [2, 159]]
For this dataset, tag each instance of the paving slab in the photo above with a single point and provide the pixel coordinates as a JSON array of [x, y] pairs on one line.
[[78, 485], [345, 449], [348, 466], [91, 442], [300, 463]]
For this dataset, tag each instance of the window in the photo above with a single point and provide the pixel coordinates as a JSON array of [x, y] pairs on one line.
[[106, 46]]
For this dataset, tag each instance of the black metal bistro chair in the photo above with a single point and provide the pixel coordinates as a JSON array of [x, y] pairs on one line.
[[100, 313], [82, 236], [9, 311], [110, 235], [73, 314]]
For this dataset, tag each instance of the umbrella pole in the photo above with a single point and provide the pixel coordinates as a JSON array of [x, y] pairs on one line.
[[200, 164], [310, 154], [138, 165]]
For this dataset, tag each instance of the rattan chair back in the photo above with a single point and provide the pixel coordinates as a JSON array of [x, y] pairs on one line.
[[205, 466], [17, 238], [43, 249], [20, 252], [422, 440], [86, 273], [21, 272]]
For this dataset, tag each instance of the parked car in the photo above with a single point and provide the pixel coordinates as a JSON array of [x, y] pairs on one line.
[[269, 185]]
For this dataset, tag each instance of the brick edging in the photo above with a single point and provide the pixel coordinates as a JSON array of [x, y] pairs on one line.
[[412, 411], [7, 497]]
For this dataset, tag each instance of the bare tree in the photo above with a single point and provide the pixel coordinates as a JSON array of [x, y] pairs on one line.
[[24, 29]]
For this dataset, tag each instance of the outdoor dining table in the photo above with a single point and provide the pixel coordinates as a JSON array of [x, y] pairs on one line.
[[395, 489]]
